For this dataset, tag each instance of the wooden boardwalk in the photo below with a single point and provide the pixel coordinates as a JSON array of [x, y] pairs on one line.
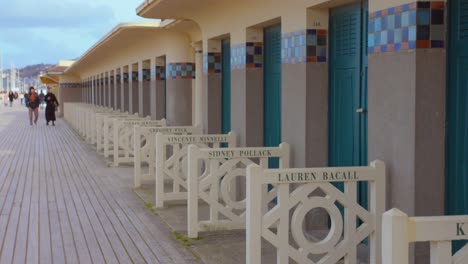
[[60, 203]]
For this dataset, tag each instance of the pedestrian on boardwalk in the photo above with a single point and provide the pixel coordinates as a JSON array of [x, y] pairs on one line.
[[5, 99], [41, 99], [51, 106], [26, 99], [32, 103], [11, 96]]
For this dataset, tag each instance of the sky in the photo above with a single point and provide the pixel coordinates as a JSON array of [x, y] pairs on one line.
[[46, 31]]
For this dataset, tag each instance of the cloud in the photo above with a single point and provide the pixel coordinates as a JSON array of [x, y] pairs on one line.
[[48, 13], [46, 31]]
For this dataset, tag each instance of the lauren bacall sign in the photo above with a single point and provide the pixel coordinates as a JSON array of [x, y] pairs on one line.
[[399, 231], [316, 175], [295, 177]]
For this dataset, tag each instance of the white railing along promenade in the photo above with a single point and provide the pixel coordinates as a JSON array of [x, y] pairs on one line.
[[171, 161], [219, 187], [145, 148], [123, 137], [399, 231], [282, 225]]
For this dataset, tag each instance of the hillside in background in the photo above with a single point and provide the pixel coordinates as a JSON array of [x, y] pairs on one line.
[[33, 71]]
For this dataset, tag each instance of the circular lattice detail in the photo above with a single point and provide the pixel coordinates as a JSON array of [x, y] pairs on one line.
[[227, 188], [336, 229]]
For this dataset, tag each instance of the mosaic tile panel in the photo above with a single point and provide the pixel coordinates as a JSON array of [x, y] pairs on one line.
[[254, 54], [181, 70], [417, 25], [70, 85], [160, 73], [304, 46], [112, 79], [135, 76], [119, 78], [238, 56], [212, 62], [146, 75], [125, 77], [247, 55]]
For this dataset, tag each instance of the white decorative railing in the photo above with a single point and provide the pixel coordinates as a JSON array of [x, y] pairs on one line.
[[90, 123], [97, 125], [123, 143], [108, 132], [101, 120], [145, 149], [218, 188], [173, 169], [282, 225], [399, 231]]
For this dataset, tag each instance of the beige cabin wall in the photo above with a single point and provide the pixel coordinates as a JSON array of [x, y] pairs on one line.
[[176, 46]]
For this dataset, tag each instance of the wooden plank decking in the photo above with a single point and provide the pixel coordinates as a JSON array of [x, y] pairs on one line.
[[60, 203]]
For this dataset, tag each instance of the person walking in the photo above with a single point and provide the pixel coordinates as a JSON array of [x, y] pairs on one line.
[[41, 99], [32, 103], [51, 106], [11, 96], [5, 99]]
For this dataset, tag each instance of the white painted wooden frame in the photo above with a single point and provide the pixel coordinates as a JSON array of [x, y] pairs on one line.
[[88, 116], [82, 113], [94, 117], [100, 121], [123, 138], [108, 133], [173, 169], [343, 238], [145, 148], [218, 188], [399, 231]]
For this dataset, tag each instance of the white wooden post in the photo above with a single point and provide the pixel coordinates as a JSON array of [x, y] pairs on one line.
[[192, 182], [377, 200], [350, 188], [395, 237], [160, 157], [136, 147], [253, 225], [283, 227]]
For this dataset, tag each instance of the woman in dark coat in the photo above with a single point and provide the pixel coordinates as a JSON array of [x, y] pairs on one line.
[[51, 106]]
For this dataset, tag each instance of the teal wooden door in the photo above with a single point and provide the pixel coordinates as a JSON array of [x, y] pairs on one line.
[[272, 89], [363, 128], [457, 113], [457, 110], [348, 89], [226, 86]]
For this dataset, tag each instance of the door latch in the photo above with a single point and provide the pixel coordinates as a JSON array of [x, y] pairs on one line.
[[361, 110]]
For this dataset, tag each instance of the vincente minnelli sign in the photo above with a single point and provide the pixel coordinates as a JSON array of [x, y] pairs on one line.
[[194, 139], [320, 176]]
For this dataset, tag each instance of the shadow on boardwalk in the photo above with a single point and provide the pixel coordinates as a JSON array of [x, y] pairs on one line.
[[60, 203]]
